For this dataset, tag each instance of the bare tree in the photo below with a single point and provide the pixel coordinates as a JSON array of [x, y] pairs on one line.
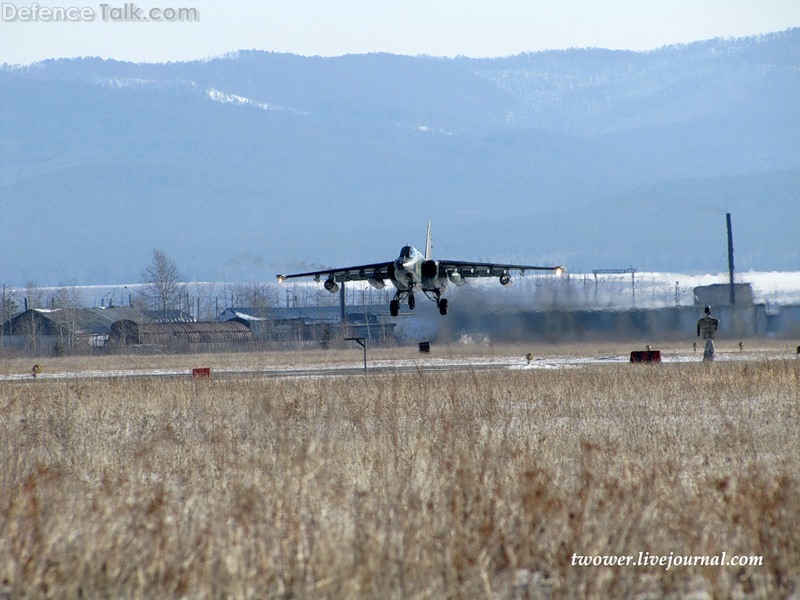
[[8, 308], [70, 301], [163, 283], [8, 305], [252, 295], [34, 296]]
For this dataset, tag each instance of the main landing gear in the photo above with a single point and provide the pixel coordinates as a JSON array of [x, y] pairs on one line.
[[441, 303], [394, 305]]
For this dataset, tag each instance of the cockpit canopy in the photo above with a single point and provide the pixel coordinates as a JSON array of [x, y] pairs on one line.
[[408, 252]]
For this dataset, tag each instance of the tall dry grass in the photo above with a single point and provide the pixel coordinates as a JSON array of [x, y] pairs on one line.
[[424, 485]]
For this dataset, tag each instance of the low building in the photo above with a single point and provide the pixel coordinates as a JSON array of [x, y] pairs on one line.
[[719, 294], [556, 326], [179, 336], [315, 323], [784, 322], [56, 330]]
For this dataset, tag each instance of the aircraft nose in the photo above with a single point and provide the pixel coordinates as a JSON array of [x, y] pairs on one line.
[[404, 263]]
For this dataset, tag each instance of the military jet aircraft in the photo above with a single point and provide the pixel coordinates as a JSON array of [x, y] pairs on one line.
[[412, 272]]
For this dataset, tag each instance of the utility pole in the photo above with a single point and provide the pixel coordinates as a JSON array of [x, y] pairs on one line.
[[730, 258], [363, 343], [342, 300]]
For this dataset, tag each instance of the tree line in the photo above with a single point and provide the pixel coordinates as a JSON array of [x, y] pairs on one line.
[[163, 289]]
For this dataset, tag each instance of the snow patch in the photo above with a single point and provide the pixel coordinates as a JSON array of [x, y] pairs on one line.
[[235, 99], [126, 82], [428, 129]]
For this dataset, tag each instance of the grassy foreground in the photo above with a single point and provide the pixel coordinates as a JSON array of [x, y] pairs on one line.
[[470, 484]]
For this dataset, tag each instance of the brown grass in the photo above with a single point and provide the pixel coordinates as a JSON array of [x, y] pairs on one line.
[[469, 484]]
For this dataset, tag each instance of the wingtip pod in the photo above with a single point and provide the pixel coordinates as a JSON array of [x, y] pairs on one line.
[[281, 278], [560, 270]]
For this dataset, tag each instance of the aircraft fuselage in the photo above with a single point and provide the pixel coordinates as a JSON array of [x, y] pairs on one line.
[[407, 274]]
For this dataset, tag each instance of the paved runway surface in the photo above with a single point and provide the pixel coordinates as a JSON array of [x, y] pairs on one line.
[[397, 366]]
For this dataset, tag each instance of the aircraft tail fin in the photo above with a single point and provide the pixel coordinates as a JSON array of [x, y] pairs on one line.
[[428, 244]]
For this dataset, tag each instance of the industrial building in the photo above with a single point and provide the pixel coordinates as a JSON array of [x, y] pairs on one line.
[[179, 337], [58, 330], [78, 330], [315, 323]]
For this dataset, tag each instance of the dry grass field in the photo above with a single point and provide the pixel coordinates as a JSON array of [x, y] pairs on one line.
[[470, 484]]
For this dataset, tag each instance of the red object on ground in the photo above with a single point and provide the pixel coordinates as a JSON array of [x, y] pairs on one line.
[[638, 356], [201, 373]]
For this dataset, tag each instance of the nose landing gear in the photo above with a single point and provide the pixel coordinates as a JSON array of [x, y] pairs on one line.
[[394, 305]]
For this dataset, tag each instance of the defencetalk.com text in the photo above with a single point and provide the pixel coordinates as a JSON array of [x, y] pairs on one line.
[[124, 13]]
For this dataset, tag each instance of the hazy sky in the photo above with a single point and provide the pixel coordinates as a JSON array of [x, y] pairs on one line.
[[333, 27]]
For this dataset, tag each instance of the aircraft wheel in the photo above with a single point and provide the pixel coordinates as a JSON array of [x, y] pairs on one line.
[[443, 306], [411, 302], [394, 307]]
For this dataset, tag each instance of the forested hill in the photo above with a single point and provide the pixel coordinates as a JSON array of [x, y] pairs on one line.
[[254, 163]]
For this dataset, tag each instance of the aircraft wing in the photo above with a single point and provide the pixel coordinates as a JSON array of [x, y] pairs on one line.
[[356, 273], [478, 269]]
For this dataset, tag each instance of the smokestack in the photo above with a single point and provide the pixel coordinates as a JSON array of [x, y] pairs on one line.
[[730, 257]]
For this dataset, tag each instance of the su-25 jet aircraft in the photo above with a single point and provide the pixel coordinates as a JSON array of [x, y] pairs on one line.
[[413, 272]]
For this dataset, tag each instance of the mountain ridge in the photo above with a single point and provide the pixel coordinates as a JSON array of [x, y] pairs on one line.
[[242, 167]]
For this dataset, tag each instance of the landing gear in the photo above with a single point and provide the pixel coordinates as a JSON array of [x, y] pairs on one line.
[[436, 296], [394, 305]]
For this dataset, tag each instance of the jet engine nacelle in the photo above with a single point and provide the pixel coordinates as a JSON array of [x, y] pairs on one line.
[[430, 269], [331, 286], [505, 280], [430, 272]]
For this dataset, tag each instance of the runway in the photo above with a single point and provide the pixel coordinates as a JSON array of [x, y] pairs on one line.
[[384, 367]]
